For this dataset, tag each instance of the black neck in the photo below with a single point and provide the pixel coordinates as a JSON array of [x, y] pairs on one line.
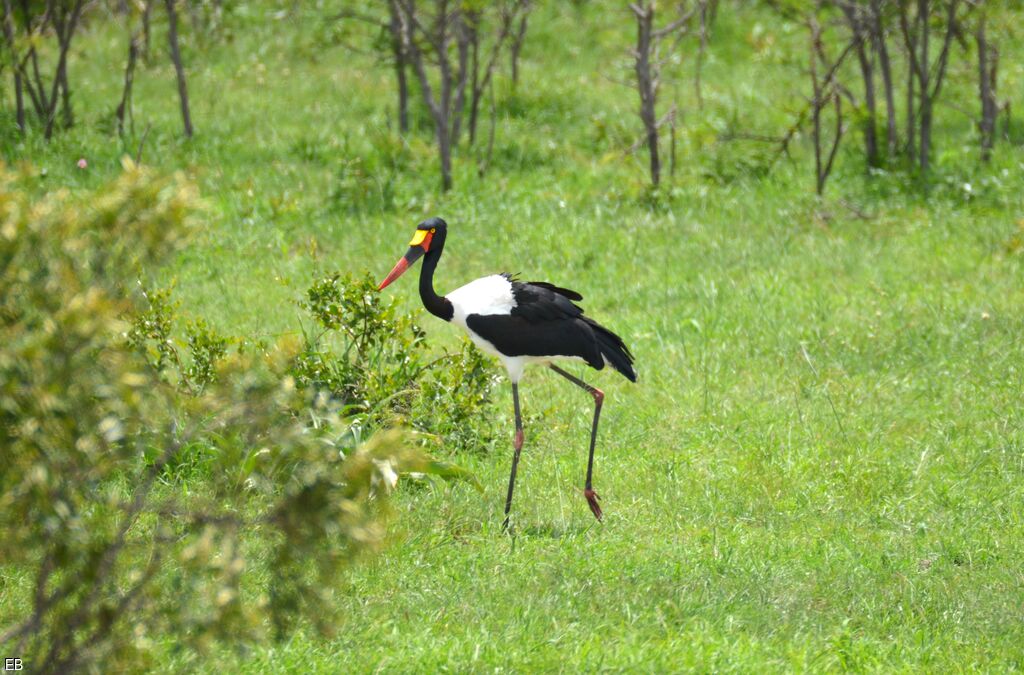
[[435, 304]]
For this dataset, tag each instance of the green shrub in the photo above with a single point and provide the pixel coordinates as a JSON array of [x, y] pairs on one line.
[[152, 335], [374, 361], [97, 406]]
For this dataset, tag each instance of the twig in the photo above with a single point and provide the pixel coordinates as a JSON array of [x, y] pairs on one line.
[[142, 141], [670, 116], [853, 208]]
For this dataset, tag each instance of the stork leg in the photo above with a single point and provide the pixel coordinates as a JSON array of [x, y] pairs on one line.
[[518, 445], [588, 491]]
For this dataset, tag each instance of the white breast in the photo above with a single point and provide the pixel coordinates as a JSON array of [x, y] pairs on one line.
[[486, 295]]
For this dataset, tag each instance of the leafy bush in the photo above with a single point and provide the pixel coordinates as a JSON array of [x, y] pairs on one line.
[[151, 334], [452, 398], [374, 361], [94, 409]]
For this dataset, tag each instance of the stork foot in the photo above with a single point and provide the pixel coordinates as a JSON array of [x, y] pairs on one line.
[[592, 499]]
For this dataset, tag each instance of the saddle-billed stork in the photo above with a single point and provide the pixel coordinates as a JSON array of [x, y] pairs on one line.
[[521, 323]]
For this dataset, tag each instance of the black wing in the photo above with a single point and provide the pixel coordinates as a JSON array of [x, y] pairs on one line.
[[572, 295], [525, 287], [545, 322], [540, 301]]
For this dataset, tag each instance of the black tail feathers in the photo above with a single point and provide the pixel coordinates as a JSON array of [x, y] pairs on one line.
[[614, 350]]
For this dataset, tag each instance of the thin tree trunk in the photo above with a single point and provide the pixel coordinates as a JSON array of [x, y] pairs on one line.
[[494, 126], [444, 139], [911, 121], [474, 115], [838, 100], [403, 97], [472, 28], [33, 93], [816, 89], [398, 53], [19, 102], [698, 71], [910, 44], [987, 123], [172, 38], [65, 31], [147, 8], [647, 65], [923, 9], [444, 147], [462, 40], [652, 149], [647, 89], [486, 162], [124, 108], [993, 87], [60, 77], [19, 98], [672, 144], [482, 74], [65, 100], [885, 65], [43, 104], [475, 89], [870, 121], [928, 96], [34, 84], [440, 106], [517, 42], [825, 90]]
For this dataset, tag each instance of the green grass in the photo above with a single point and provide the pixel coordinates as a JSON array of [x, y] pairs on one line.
[[821, 467]]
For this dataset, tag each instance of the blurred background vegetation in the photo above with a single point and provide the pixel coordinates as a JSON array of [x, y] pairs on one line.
[[805, 215]]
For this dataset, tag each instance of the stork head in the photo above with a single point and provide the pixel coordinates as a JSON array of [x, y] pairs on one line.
[[429, 233]]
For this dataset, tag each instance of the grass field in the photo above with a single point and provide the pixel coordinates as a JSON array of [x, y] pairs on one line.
[[822, 465]]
